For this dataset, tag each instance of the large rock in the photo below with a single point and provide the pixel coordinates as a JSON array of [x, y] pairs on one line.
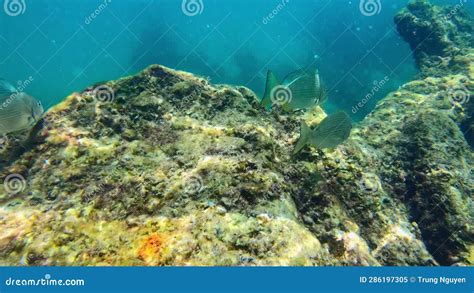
[[440, 36], [163, 168]]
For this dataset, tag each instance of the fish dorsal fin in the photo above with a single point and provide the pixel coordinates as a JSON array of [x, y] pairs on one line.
[[294, 80], [305, 134], [293, 76], [304, 88], [6, 88], [271, 83]]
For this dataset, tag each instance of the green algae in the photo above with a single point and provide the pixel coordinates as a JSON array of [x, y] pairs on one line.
[[177, 171]]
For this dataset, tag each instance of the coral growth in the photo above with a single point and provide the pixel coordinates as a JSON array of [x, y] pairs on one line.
[[176, 171], [440, 37]]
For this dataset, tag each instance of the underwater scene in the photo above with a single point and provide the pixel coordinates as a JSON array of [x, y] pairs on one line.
[[236, 133]]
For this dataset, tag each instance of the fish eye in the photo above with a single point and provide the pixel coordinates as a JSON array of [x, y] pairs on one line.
[[39, 104]]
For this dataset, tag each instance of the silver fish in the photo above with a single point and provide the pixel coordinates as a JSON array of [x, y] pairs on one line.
[[301, 89], [330, 133], [18, 110]]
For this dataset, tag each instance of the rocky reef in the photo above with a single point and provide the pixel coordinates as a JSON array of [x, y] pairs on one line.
[[164, 168], [442, 42], [440, 37]]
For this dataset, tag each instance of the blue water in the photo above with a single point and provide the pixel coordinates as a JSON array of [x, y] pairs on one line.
[[67, 45]]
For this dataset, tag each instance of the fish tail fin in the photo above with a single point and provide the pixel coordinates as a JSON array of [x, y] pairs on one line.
[[272, 82], [305, 133]]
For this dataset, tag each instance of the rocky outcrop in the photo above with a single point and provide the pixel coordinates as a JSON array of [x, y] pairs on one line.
[[440, 37], [442, 42], [164, 168]]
